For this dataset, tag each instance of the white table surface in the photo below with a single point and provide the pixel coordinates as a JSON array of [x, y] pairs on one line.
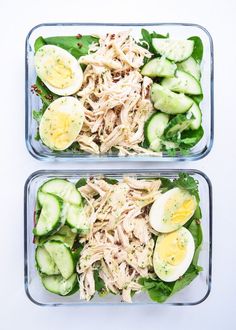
[[16, 311]]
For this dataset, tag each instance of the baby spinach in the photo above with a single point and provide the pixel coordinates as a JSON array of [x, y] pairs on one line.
[[80, 183], [44, 93], [76, 45], [160, 291], [146, 40], [197, 53]]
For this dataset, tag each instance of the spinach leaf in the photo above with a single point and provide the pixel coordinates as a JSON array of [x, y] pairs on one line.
[[80, 183], [77, 46], [146, 40], [190, 138], [197, 53], [39, 42], [37, 115], [160, 291], [45, 94], [187, 182], [99, 284], [186, 279], [111, 180]]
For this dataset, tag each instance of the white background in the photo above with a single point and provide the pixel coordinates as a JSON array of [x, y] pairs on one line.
[[16, 311]]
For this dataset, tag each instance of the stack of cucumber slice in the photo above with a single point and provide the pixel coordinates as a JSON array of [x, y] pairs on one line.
[[175, 93], [60, 217]]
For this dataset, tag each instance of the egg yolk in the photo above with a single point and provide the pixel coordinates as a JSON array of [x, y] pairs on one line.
[[58, 132], [184, 211], [172, 249], [58, 73]]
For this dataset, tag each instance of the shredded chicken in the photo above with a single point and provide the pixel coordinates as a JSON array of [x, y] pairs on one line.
[[115, 95], [119, 245]]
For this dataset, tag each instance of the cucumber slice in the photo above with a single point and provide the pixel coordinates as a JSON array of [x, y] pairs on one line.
[[155, 126], [64, 189], [156, 144], [44, 262], [62, 256], [58, 285], [168, 101], [190, 66], [159, 67], [197, 114], [177, 125], [76, 219], [64, 235], [183, 83], [174, 50], [51, 216]]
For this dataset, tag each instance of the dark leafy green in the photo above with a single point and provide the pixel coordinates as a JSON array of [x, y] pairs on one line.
[[45, 94], [39, 42], [111, 180], [160, 291], [81, 182], [197, 53], [187, 182], [76, 45], [190, 138], [146, 40], [99, 284]]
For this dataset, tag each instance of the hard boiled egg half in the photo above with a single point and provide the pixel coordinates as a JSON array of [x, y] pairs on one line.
[[172, 210], [173, 254], [61, 123], [58, 69]]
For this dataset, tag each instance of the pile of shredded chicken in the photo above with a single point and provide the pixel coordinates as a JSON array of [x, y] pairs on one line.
[[119, 244], [115, 95]]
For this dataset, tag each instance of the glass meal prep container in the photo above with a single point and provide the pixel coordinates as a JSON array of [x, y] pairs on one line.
[[193, 294], [176, 30]]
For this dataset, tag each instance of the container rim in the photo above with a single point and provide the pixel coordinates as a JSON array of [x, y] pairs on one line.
[[136, 158], [39, 173]]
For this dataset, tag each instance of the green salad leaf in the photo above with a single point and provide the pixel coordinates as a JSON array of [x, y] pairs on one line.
[[76, 45], [187, 182], [190, 138], [160, 291], [197, 53], [44, 93], [39, 42], [81, 182], [146, 40]]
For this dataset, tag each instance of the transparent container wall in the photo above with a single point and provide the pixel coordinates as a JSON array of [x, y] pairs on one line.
[[41, 152], [195, 293]]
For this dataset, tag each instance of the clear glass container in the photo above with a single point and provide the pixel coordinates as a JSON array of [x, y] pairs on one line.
[[176, 30], [193, 294]]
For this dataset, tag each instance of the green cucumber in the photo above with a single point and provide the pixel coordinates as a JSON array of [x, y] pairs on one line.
[[44, 262], [64, 189], [197, 116], [62, 256], [77, 219], [183, 83], [159, 67], [174, 50], [190, 66], [168, 101], [51, 216], [156, 144], [58, 285], [155, 126]]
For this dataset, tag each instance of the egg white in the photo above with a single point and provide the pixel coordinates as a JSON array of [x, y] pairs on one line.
[[158, 210], [61, 123], [166, 271], [50, 63]]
